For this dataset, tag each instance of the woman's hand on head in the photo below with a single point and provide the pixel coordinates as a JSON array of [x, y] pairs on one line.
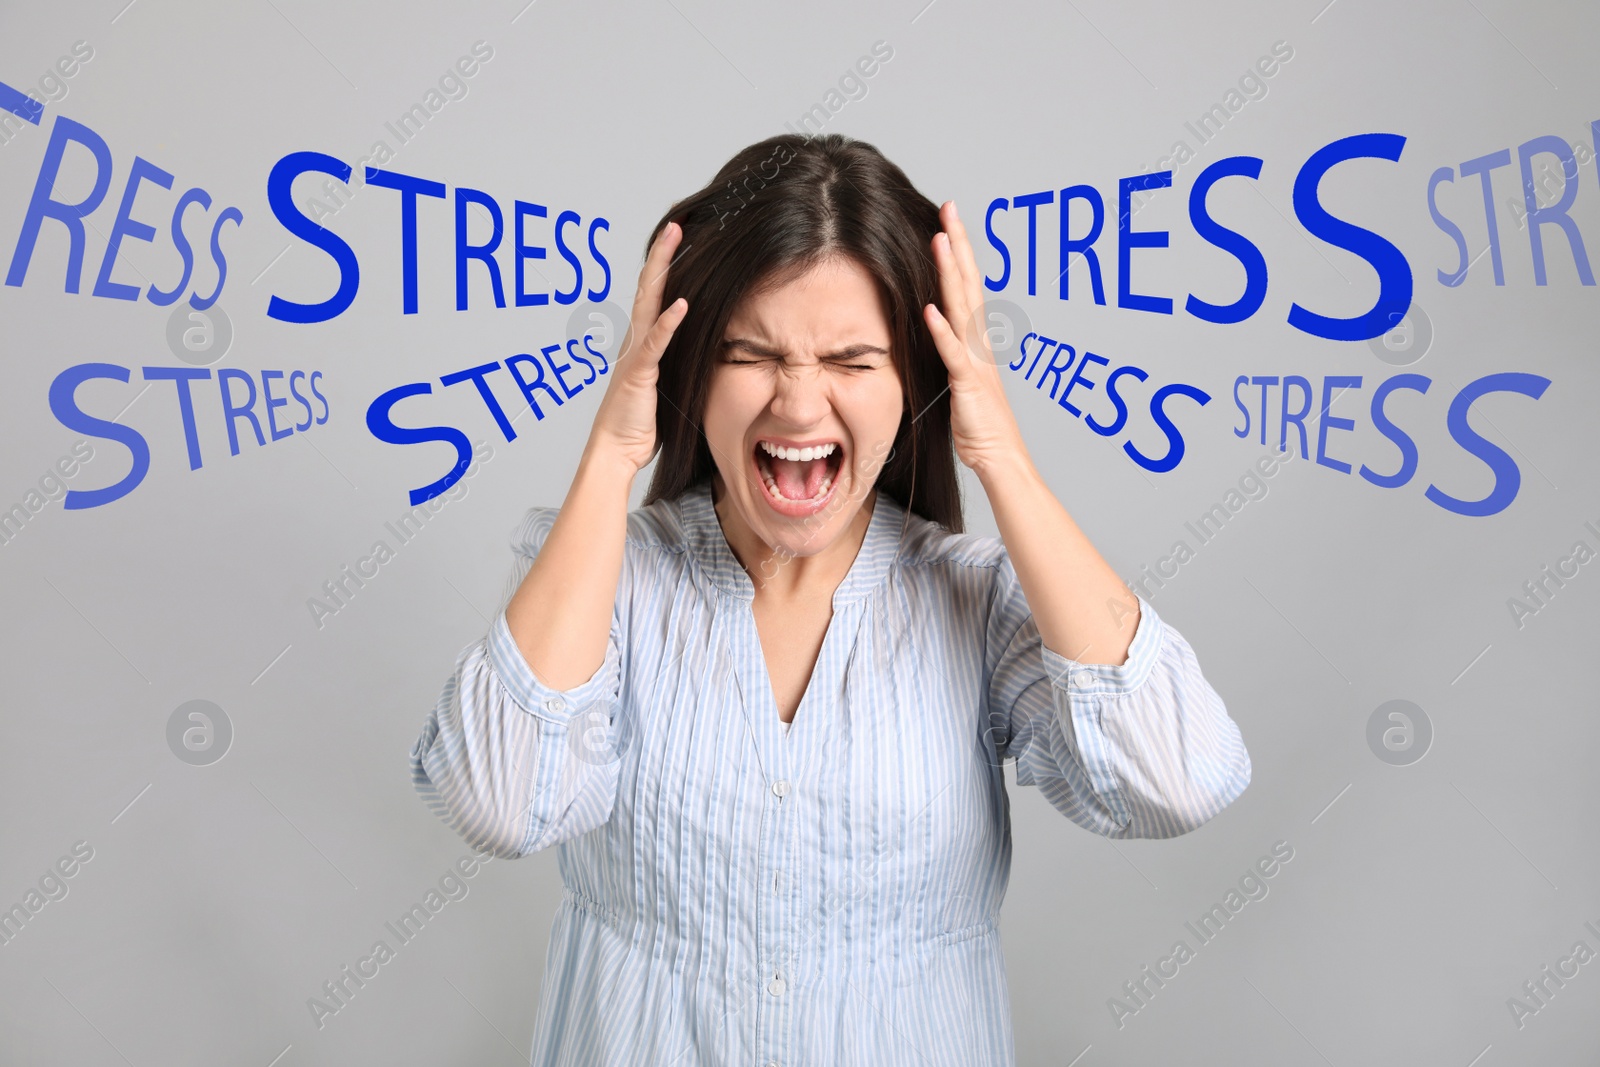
[[982, 424], [625, 424]]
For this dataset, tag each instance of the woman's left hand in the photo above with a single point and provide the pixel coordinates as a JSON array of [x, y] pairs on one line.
[[982, 423]]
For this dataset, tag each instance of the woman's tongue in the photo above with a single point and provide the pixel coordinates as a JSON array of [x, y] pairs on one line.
[[799, 479]]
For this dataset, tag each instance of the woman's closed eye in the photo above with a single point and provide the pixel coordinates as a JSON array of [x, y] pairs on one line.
[[829, 362], [856, 357]]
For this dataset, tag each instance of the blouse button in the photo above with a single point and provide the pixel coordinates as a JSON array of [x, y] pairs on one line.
[[780, 787], [776, 986], [1083, 679], [555, 704]]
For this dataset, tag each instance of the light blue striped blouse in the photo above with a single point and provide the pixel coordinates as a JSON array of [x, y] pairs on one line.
[[738, 894]]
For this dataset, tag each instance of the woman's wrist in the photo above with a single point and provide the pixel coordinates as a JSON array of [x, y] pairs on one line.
[[1008, 469], [600, 460]]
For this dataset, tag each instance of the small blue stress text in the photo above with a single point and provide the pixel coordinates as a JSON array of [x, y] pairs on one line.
[[187, 216], [1041, 358], [543, 383], [266, 405], [1265, 401]]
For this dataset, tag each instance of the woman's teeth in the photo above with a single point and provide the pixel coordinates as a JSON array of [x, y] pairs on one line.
[[822, 488], [796, 454], [817, 453]]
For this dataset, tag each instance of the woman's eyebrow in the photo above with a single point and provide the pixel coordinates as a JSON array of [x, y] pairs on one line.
[[850, 352]]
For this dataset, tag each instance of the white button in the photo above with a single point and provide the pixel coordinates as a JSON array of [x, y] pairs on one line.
[[555, 704], [780, 787], [1083, 679], [776, 986], [773, 1063]]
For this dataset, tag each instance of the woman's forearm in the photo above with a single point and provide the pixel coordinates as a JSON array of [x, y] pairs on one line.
[[560, 615], [1083, 609]]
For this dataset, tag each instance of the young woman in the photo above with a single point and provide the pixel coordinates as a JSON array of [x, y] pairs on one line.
[[764, 716]]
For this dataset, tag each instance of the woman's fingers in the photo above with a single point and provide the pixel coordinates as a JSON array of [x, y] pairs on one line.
[[951, 347], [951, 289], [966, 261], [955, 342], [960, 284], [959, 312], [626, 421], [644, 362], [660, 333], [652, 282], [653, 276]]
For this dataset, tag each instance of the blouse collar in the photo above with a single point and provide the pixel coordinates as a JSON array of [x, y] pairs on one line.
[[709, 546]]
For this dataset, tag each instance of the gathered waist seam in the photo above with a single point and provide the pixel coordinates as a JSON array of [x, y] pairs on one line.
[[587, 903], [583, 901], [965, 933]]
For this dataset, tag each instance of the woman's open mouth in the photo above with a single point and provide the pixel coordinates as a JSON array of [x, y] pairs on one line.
[[798, 479]]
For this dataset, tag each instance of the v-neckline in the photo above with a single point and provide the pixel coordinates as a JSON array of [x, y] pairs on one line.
[[820, 667], [709, 547]]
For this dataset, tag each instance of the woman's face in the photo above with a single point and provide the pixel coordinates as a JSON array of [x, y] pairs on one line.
[[804, 372]]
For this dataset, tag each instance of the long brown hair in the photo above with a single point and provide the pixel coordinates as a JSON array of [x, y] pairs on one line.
[[776, 209]]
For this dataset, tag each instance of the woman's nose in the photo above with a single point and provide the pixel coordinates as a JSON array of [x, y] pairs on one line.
[[801, 397]]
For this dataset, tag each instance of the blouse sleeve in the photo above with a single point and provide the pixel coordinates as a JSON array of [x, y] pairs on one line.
[[508, 762], [1141, 749]]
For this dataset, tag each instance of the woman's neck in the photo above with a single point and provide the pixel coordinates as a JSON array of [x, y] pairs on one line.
[[775, 572]]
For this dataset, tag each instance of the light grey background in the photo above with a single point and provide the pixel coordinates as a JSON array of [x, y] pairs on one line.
[[220, 898]]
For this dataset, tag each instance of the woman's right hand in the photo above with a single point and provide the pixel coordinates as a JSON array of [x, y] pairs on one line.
[[625, 424]]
